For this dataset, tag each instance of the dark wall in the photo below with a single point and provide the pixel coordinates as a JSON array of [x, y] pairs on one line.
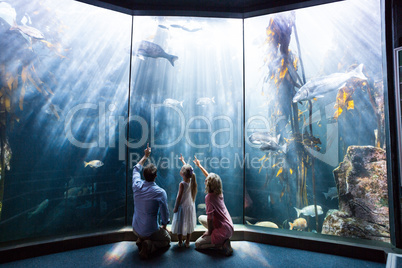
[[398, 23]]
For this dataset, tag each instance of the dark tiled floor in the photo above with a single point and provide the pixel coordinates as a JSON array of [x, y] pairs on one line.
[[246, 254]]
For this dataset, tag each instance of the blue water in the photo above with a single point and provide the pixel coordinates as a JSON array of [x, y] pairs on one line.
[[81, 103], [331, 38]]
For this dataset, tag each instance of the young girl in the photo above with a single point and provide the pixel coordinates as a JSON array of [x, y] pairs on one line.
[[184, 217], [218, 220]]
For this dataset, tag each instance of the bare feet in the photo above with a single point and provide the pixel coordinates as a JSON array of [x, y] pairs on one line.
[[227, 249]]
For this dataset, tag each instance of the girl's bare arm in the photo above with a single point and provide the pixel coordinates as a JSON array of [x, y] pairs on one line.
[[198, 164]]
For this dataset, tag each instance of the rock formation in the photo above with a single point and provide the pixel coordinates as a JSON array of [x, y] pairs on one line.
[[361, 180]]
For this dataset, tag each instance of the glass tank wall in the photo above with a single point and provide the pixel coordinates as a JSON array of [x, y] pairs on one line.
[[186, 99], [84, 89], [315, 120], [64, 69]]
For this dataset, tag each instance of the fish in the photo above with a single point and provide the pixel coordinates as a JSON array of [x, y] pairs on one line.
[[72, 192], [54, 109], [51, 107], [273, 146], [173, 102], [201, 206], [259, 138], [40, 208], [152, 50], [299, 224], [185, 29], [191, 30], [332, 192], [205, 101], [28, 30], [309, 211], [163, 26], [318, 87], [264, 224], [93, 163]]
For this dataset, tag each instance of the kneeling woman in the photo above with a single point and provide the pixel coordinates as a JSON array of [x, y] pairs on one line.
[[217, 221]]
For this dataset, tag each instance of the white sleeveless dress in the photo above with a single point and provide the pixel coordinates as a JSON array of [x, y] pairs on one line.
[[185, 219]]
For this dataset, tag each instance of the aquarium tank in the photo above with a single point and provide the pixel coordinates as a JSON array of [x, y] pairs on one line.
[[288, 108], [314, 113]]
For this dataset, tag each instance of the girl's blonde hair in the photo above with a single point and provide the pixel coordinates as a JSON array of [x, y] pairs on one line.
[[188, 172], [214, 184]]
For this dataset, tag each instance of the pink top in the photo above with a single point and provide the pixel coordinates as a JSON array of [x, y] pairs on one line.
[[217, 211]]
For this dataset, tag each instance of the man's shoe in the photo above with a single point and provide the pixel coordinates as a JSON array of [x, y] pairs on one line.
[[139, 243], [146, 249]]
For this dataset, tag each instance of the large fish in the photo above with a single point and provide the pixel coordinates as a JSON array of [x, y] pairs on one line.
[[262, 137], [152, 50], [30, 31], [309, 211], [264, 224], [318, 87]]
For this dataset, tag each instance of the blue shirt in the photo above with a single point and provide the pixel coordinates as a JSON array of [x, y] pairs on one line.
[[149, 199]]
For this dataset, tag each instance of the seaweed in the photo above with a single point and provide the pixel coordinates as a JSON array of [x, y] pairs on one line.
[[283, 79], [18, 75]]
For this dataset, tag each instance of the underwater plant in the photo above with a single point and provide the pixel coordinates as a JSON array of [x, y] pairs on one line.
[[19, 62], [283, 81]]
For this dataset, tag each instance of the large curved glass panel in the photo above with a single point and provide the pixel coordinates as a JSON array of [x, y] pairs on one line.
[[186, 98], [315, 151], [315, 121], [64, 69]]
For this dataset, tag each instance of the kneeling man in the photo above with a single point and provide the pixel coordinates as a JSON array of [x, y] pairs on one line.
[[149, 199]]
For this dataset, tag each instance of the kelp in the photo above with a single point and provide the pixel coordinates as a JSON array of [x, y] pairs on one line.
[[283, 79], [18, 75]]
